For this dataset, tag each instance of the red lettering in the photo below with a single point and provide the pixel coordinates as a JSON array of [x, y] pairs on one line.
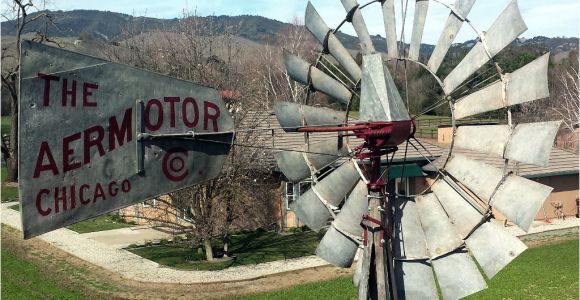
[[67, 152], [82, 194], [73, 200], [87, 92], [213, 116], [184, 112], [90, 142], [121, 135], [148, 125], [41, 211], [171, 101], [47, 80], [40, 166], [61, 199], [99, 193], [113, 192], [126, 186], [72, 92]]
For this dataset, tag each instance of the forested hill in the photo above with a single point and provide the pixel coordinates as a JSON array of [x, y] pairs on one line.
[[109, 26]]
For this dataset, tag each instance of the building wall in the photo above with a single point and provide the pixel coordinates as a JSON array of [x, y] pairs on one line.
[[565, 191], [160, 214]]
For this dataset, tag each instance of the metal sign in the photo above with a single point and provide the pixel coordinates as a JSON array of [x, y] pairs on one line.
[[96, 136]]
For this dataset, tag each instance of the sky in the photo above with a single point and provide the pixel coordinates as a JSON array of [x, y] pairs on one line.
[[550, 18]]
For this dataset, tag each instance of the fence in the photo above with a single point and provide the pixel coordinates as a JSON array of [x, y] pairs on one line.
[[427, 126]]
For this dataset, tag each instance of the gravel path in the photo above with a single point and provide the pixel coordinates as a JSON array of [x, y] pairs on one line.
[[134, 267]]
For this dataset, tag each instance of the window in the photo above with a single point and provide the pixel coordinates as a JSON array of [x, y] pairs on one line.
[[183, 215], [293, 190], [150, 203], [402, 186]]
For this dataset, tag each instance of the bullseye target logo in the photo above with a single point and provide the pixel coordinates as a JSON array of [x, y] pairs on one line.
[[174, 167]]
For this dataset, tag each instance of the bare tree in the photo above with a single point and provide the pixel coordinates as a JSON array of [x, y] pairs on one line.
[[568, 100], [19, 13]]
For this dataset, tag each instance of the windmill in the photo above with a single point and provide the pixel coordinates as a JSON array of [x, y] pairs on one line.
[[412, 244]]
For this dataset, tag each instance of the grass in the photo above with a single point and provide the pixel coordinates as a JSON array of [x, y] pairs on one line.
[[100, 223], [9, 193], [341, 288], [15, 207], [249, 248], [5, 123], [21, 279]]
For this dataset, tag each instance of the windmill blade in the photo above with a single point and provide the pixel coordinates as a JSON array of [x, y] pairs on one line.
[[316, 25], [421, 8], [413, 273], [528, 143], [358, 22], [306, 74], [507, 27], [310, 207], [380, 100], [297, 166], [452, 27], [339, 248], [415, 280], [458, 275], [491, 245], [293, 116], [440, 235], [390, 28], [525, 84], [517, 198]]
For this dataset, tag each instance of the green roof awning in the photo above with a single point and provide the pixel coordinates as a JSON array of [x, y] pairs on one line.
[[410, 170]]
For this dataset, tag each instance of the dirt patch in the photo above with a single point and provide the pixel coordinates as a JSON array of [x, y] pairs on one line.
[[550, 237], [97, 282]]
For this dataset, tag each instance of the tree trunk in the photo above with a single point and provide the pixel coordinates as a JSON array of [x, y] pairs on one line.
[[226, 244], [208, 250], [12, 162]]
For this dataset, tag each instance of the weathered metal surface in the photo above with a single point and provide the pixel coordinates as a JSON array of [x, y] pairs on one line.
[[409, 242], [458, 275], [337, 248], [380, 100], [301, 71], [295, 164], [415, 280], [508, 26], [78, 136], [449, 32], [390, 23], [477, 176], [493, 247], [358, 22], [333, 188], [520, 199], [421, 8], [463, 216], [440, 235], [292, 116], [532, 143], [525, 84], [489, 139], [316, 25]]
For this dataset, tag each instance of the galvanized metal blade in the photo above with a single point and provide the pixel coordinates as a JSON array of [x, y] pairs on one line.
[[479, 177], [380, 100], [415, 280], [302, 71], [525, 84], [332, 189], [494, 247], [421, 8], [299, 165], [520, 199], [409, 242], [441, 237], [508, 26], [390, 28], [452, 27], [358, 22], [338, 246], [528, 143], [293, 116], [316, 25], [463, 216], [458, 275]]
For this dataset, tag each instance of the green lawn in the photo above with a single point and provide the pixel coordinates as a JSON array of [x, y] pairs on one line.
[[5, 123], [21, 279], [341, 288], [248, 248], [100, 223], [9, 193]]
